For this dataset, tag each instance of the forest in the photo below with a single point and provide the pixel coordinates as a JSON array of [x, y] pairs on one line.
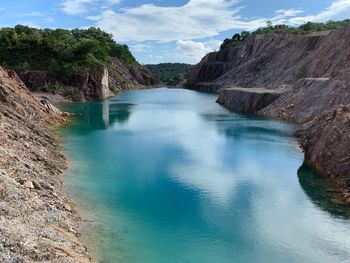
[[59, 50], [169, 73]]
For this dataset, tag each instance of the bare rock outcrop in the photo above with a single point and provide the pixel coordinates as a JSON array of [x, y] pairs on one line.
[[91, 85], [326, 142], [126, 77], [247, 100], [314, 70], [272, 60], [86, 86], [38, 222]]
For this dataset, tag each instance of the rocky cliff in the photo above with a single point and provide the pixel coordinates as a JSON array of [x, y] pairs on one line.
[[313, 71], [134, 76], [90, 85], [38, 222], [326, 141], [290, 77]]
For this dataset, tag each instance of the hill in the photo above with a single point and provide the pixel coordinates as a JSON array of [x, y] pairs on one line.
[[80, 64], [310, 27], [170, 73]]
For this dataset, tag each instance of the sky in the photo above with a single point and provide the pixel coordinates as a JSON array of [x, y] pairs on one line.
[[159, 31]]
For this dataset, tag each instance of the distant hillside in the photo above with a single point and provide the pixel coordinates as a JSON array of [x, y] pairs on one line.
[[170, 73], [307, 28]]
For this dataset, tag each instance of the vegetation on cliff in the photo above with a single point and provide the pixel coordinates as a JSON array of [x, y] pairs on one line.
[[304, 29], [59, 50], [169, 73]]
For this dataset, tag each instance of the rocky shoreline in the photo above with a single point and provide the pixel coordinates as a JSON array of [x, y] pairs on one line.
[[38, 220], [326, 143]]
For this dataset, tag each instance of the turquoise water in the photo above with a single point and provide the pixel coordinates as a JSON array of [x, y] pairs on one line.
[[168, 175]]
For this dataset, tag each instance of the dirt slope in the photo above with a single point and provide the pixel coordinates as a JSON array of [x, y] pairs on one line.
[[38, 222]]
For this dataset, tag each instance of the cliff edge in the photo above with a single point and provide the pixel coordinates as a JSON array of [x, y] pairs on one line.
[[91, 84], [326, 143], [38, 222], [312, 70]]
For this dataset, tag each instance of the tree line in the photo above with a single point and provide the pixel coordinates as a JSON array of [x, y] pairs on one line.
[[304, 29], [169, 73], [59, 50]]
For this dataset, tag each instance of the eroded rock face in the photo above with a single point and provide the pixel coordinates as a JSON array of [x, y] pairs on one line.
[[273, 60], [122, 77], [91, 85], [247, 100], [314, 71], [86, 86], [308, 98], [35, 225], [326, 142]]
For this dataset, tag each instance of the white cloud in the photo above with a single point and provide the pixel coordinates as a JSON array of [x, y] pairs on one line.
[[337, 8], [141, 47], [193, 51], [196, 20], [75, 7]]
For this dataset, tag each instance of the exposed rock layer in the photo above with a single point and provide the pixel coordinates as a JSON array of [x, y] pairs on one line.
[[272, 60], [326, 140], [314, 70], [38, 222], [247, 100], [90, 85]]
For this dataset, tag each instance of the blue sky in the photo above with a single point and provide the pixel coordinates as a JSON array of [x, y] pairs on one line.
[[169, 31]]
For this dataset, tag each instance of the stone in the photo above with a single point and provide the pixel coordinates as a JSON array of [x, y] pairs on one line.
[[68, 207], [29, 185]]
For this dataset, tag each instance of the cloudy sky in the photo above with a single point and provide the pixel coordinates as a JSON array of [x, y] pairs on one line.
[[169, 30]]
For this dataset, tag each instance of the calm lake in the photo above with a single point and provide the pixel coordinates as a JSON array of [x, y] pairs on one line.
[[168, 175]]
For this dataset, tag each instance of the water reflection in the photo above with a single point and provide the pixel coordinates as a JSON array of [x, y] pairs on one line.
[[322, 192], [98, 115], [249, 126], [176, 178]]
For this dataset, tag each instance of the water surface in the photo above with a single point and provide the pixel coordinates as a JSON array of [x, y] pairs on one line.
[[167, 175]]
